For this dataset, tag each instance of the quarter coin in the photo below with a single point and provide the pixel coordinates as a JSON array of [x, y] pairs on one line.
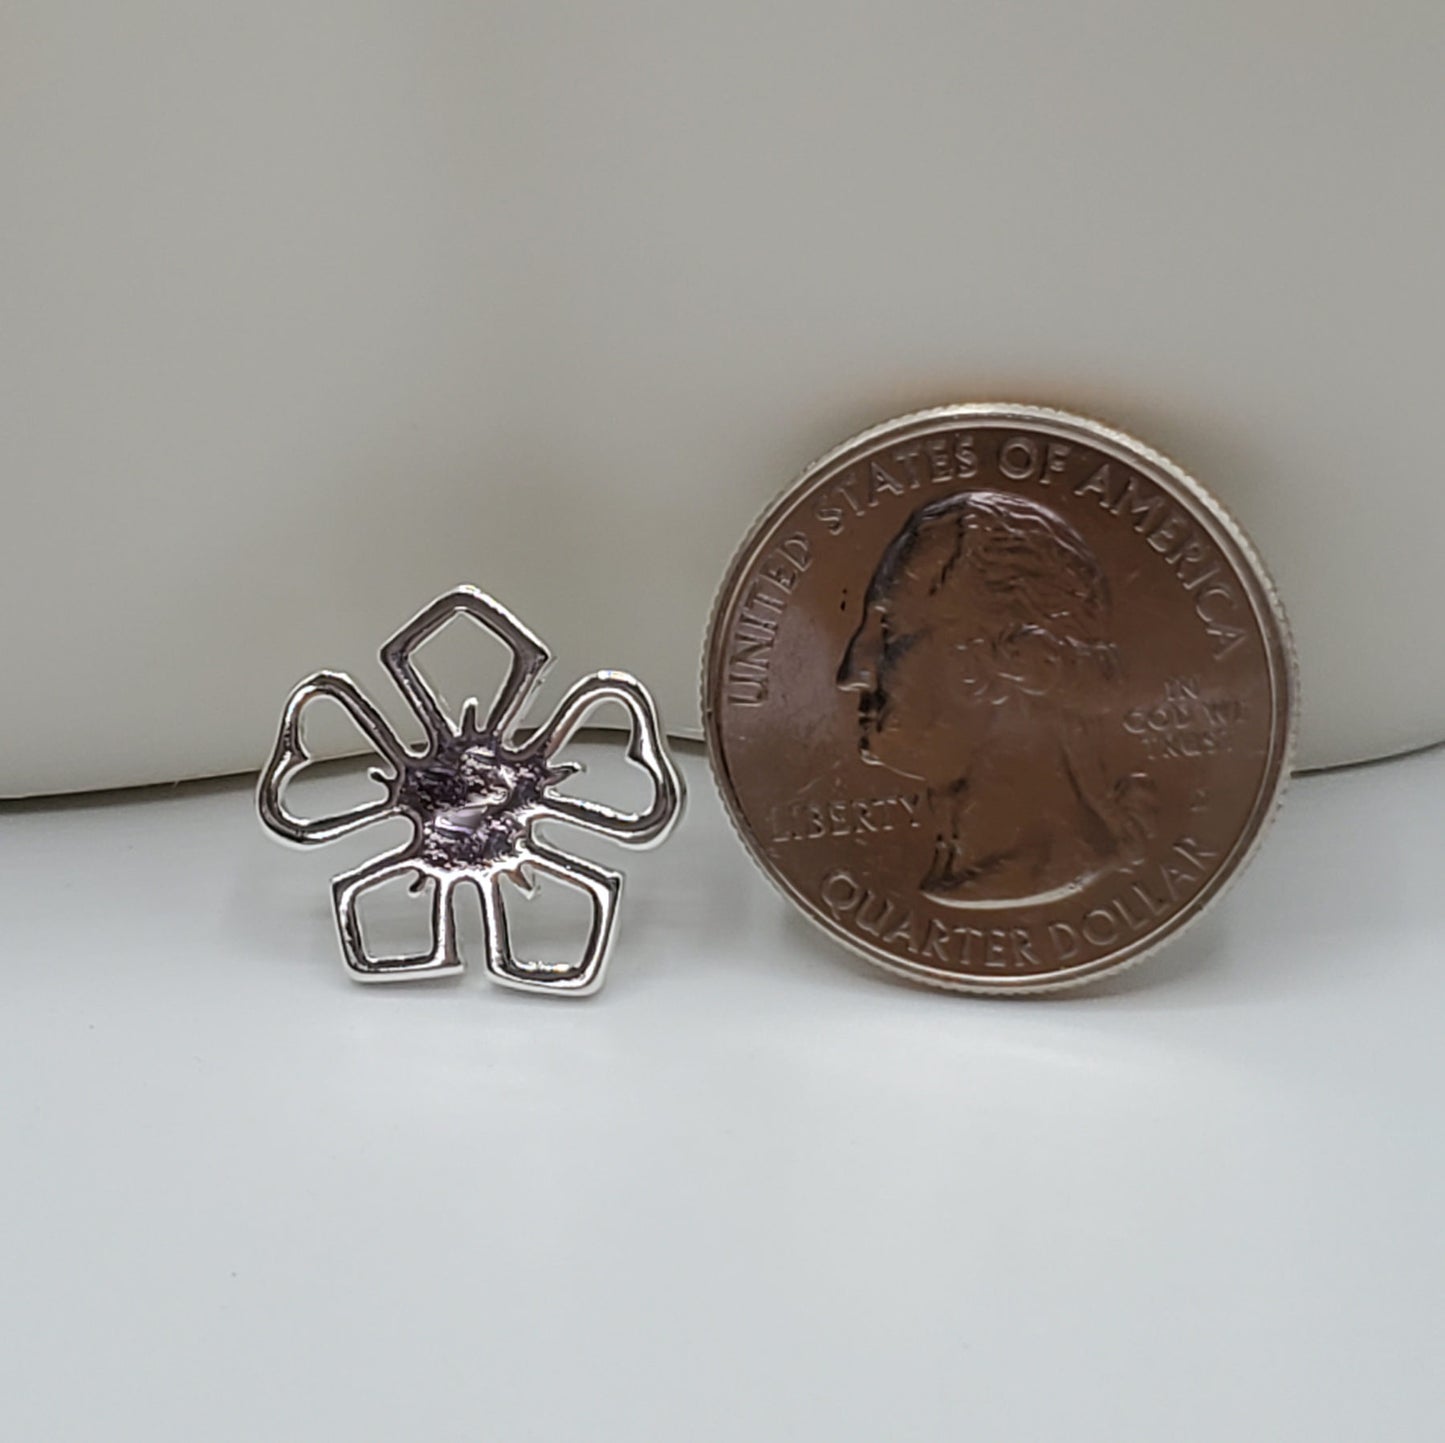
[[999, 697]]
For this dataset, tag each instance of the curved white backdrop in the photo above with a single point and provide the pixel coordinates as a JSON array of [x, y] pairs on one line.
[[315, 310]]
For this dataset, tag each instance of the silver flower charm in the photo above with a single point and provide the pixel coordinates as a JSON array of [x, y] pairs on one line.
[[475, 796]]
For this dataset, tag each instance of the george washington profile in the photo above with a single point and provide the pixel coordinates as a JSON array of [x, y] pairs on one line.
[[984, 668]]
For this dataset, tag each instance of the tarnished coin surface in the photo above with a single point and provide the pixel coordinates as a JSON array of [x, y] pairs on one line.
[[999, 697]]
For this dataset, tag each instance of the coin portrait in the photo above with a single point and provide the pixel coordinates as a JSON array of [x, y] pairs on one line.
[[983, 644], [999, 697]]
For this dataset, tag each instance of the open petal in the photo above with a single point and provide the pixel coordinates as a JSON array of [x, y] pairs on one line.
[[575, 978], [441, 958], [289, 757], [645, 749], [529, 661]]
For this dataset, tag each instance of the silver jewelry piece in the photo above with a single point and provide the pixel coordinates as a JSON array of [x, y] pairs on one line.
[[475, 796]]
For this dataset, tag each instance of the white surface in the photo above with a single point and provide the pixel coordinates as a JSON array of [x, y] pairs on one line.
[[752, 1191], [316, 310]]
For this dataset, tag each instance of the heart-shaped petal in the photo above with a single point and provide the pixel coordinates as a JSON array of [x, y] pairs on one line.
[[289, 757], [645, 749]]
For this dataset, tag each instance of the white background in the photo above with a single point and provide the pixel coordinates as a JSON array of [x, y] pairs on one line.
[[314, 309], [753, 1190]]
